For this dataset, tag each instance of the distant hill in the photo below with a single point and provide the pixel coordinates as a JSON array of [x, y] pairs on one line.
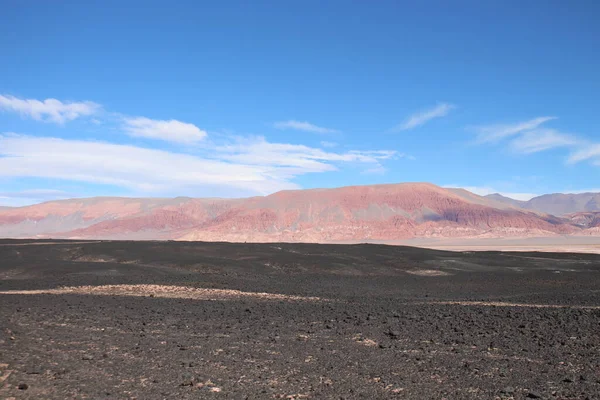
[[507, 200], [585, 219], [556, 204], [347, 214]]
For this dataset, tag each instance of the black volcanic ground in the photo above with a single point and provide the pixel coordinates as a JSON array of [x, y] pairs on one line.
[[183, 321]]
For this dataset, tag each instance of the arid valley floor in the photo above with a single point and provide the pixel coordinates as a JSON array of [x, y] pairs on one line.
[[186, 320]]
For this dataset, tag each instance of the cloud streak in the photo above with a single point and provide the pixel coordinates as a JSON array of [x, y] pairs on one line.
[[589, 152], [529, 137], [170, 131], [302, 126], [250, 166], [541, 140], [421, 118], [49, 110], [495, 133]]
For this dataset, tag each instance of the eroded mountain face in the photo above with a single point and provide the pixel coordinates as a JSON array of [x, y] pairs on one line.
[[357, 213]]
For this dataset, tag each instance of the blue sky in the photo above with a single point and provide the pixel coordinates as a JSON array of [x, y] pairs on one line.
[[242, 98]]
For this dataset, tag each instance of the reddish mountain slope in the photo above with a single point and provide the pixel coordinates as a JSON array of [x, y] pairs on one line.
[[379, 212], [357, 213]]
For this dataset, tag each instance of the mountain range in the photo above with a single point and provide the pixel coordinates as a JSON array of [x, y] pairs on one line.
[[556, 203], [389, 212]]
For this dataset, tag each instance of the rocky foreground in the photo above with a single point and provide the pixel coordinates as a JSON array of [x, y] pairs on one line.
[[176, 320]]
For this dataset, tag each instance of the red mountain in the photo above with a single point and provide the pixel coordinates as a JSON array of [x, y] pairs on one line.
[[356, 213]]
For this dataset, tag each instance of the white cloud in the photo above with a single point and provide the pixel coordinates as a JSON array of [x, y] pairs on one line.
[[294, 157], [171, 130], [528, 137], [49, 110], [494, 133], [248, 166], [588, 152], [325, 143], [302, 126], [420, 118], [542, 139]]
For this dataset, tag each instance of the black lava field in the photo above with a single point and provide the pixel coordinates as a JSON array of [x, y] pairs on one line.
[[185, 320]]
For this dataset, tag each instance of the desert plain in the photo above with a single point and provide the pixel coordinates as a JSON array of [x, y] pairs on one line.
[[188, 320]]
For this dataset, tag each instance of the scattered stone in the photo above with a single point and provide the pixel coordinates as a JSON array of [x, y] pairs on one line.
[[508, 390], [34, 370], [187, 379], [87, 357], [189, 364], [23, 386], [534, 395], [568, 380], [393, 334]]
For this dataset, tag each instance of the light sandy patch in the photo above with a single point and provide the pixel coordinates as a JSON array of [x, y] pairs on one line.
[[358, 338], [502, 304], [4, 372], [48, 243], [163, 291], [428, 272], [368, 342], [95, 258]]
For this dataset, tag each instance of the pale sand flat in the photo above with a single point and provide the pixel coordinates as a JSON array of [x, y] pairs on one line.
[[502, 304], [162, 291]]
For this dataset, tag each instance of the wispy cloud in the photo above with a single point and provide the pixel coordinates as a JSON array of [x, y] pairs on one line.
[[422, 117], [226, 164], [542, 139], [302, 126], [293, 158], [49, 110], [245, 166], [171, 130], [589, 152], [530, 137], [495, 133]]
